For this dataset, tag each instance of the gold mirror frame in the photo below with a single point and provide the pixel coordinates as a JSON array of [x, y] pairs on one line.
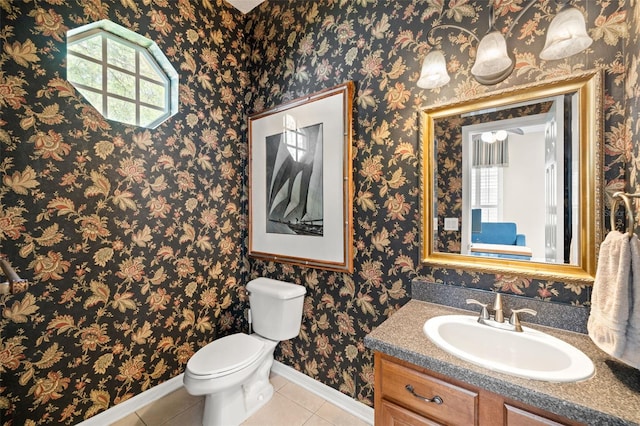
[[588, 86]]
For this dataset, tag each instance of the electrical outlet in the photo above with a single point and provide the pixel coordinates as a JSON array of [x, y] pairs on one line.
[[450, 223]]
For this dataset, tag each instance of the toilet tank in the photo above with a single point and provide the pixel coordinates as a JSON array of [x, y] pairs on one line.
[[276, 308]]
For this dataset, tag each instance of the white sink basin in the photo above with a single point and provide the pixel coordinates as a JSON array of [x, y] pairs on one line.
[[531, 354]]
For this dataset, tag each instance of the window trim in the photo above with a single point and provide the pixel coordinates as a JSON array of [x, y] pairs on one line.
[[109, 30]]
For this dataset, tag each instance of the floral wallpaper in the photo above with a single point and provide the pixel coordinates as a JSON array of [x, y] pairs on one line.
[[302, 47], [629, 139], [134, 240], [448, 133]]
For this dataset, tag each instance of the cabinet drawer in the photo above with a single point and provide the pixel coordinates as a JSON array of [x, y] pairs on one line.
[[394, 415], [518, 417], [459, 406]]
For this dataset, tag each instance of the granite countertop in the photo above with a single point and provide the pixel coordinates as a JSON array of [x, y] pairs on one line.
[[610, 397]]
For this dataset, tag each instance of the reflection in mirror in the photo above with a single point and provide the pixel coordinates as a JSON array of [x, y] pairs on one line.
[[511, 180], [515, 157]]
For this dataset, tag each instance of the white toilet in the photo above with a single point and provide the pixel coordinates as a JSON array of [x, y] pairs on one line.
[[233, 372]]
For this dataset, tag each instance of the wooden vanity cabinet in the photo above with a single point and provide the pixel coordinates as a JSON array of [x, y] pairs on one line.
[[400, 387]]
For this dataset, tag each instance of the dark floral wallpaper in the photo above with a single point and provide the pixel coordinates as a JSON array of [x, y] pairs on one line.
[[134, 240], [448, 135], [302, 47]]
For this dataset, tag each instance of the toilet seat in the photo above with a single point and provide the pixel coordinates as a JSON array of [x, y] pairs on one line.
[[225, 356]]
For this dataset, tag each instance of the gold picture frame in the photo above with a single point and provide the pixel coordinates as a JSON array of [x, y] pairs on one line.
[[301, 183]]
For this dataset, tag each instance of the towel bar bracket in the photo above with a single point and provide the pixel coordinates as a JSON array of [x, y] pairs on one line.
[[631, 221]]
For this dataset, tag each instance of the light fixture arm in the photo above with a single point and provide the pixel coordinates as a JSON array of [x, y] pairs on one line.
[[563, 3], [492, 18], [522, 12], [457, 27]]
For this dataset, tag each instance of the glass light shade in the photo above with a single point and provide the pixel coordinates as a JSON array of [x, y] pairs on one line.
[[501, 135], [492, 64], [567, 35], [434, 71], [488, 137]]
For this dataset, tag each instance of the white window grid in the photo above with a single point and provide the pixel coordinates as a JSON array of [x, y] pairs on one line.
[[295, 139], [486, 193], [166, 81]]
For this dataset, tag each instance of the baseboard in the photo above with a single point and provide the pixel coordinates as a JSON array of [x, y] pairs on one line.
[[133, 404], [337, 398]]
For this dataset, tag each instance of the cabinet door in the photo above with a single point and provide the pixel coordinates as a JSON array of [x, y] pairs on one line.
[[519, 417], [394, 415]]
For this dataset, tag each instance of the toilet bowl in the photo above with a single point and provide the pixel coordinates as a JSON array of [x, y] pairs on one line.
[[233, 371]]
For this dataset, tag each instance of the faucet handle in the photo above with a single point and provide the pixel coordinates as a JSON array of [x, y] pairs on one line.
[[514, 320], [484, 313]]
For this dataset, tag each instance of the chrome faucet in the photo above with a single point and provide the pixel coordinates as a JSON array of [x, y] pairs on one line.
[[497, 320], [498, 315]]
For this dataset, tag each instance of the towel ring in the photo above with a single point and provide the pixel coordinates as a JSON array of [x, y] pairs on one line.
[[627, 204]]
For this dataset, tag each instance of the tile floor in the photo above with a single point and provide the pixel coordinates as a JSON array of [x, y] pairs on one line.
[[291, 405]]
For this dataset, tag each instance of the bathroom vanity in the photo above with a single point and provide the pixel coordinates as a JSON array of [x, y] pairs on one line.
[[473, 395], [455, 402]]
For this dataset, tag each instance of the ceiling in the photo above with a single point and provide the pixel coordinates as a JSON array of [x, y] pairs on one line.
[[244, 6]]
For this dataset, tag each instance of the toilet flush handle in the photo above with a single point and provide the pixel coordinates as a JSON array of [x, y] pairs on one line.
[[247, 314]]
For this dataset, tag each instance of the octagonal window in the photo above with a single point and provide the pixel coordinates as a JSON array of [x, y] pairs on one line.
[[124, 75]]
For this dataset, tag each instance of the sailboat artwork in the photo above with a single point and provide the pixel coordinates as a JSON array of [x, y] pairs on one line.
[[294, 175], [301, 181]]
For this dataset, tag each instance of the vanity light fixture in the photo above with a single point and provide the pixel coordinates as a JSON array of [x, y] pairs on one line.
[[566, 36], [491, 137], [434, 66], [493, 64], [434, 71]]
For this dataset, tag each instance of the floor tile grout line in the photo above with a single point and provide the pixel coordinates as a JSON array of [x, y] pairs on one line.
[[324, 401], [297, 403], [320, 417], [313, 413], [177, 413], [191, 407], [141, 419]]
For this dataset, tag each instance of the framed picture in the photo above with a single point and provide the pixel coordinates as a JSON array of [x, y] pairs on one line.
[[300, 181]]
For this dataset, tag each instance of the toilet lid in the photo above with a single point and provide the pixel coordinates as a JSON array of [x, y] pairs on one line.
[[225, 355]]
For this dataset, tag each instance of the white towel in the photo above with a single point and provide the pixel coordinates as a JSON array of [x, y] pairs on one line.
[[610, 296], [631, 354]]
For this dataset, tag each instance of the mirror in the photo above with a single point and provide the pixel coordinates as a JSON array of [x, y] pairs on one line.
[[511, 180]]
